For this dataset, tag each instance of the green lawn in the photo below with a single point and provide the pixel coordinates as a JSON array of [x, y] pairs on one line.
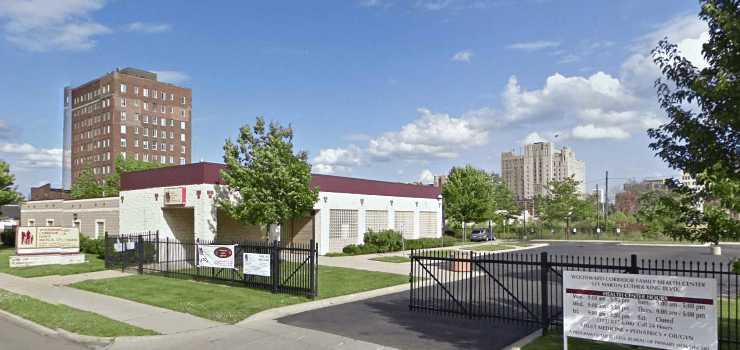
[[232, 303], [67, 318], [392, 259], [93, 263]]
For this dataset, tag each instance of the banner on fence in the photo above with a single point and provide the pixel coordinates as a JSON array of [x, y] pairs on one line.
[[257, 264], [47, 240], [663, 312], [221, 256]]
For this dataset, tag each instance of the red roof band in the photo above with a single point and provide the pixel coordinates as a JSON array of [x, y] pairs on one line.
[[210, 173]]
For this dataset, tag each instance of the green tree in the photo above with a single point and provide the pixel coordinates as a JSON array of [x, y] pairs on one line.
[[112, 183], [658, 213], [87, 185], [468, 195], [702, 135], [8, 191], [562, 201], [269, 183]]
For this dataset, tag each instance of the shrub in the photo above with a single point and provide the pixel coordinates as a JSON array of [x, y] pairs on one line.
[[8, 238], [92, 246], [385, 241], [352, 249], [736, 266]]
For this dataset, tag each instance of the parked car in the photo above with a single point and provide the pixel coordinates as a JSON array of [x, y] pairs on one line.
[[482, 234]]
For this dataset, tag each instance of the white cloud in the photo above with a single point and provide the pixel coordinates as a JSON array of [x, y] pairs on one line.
[[534, 45], [42, 25], [25, 156], [333, 160], [148, 27], [591, 132], [431, 135], [171, 76], [462, 56], [533, 137], [433, 5], [426, 177]]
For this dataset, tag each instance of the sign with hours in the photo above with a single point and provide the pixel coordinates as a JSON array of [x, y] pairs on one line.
[[47, 240], [663, 312], [257, 264]]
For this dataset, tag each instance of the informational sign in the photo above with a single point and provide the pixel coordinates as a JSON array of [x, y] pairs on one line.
[[125, 245], [174, 196], [47, 240], [257, 264], [221, 256], [663, 312]]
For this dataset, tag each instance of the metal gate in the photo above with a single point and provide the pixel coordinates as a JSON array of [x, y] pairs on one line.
[[529, 287]]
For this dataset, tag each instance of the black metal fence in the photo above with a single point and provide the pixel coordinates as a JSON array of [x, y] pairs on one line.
[[529, 287], [293, 267]]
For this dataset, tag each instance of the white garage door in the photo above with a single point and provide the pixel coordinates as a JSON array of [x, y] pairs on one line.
[[428, 224], [405, 223], [342, 228]]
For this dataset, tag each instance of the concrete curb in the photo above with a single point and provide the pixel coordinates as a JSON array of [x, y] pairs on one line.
[[519, 344], [273, 314], [85, 340]]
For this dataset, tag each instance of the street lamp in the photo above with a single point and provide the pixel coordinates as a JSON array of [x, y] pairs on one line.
[[567, 225]]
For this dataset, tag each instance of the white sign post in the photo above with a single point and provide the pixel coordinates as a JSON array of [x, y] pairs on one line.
[[663, 312], [257, 264], [221, 256]]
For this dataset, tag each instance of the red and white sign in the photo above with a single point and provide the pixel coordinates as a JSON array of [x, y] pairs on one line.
[[663, 312], [216, 256], [175, 196], [47, 240]]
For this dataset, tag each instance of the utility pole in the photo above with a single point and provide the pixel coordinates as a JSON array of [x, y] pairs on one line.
[[598, 204], [606, 203]]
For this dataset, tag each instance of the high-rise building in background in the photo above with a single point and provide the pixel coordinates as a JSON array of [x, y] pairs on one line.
[[127, 112], [527, 175]]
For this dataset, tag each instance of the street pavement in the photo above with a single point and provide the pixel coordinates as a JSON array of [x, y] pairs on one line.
[[612, 249], [16, 337]]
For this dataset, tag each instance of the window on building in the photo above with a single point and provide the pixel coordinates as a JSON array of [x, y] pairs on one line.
[[146, 119], [182, 125], [428, 225], [154, 132], [172, 160], [172, 122], [123, 155], [172, 97], [172, 148], [163, 121], [99, 228], [182, 149], [146, 131], [31, 222], [136, 130], [123, 102], [123, 129], [182, 160], [124, 88], [342, 228], [183, 100], [136, 90], [136, 143], [49, 222], [123, 116], [162, 146], [163, 109], [146, 92], [136, 156], [146, 106], [376, 220], [145, 157], [123, 143], [155, 93], [182, 137], [163, 160], [172, 135], [145, 144], [405, 223]]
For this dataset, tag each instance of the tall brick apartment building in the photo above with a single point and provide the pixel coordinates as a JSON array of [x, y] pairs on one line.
[[127, 112]]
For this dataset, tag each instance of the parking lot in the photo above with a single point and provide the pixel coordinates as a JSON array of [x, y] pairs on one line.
[[387, 321]]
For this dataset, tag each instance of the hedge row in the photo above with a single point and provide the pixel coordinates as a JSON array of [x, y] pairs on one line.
[[392, 241]]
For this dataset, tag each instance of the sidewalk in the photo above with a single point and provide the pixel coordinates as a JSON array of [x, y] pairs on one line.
[[141, 315]]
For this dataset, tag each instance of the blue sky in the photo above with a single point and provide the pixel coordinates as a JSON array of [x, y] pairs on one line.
[[381, 89]]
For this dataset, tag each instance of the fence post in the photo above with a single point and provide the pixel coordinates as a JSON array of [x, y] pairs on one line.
[[275, 267], [411, 282], [544, 288], [633, 265], [140, 256], [106, 251], [312, 266], [470, 285]]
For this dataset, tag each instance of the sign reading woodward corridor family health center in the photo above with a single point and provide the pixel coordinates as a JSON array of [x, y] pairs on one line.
[[47, 240], [663, 312]]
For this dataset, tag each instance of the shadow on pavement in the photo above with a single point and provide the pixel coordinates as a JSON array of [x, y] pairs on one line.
[[387, 321]]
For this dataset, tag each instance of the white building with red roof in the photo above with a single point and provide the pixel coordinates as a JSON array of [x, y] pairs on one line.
[[181, 203]]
